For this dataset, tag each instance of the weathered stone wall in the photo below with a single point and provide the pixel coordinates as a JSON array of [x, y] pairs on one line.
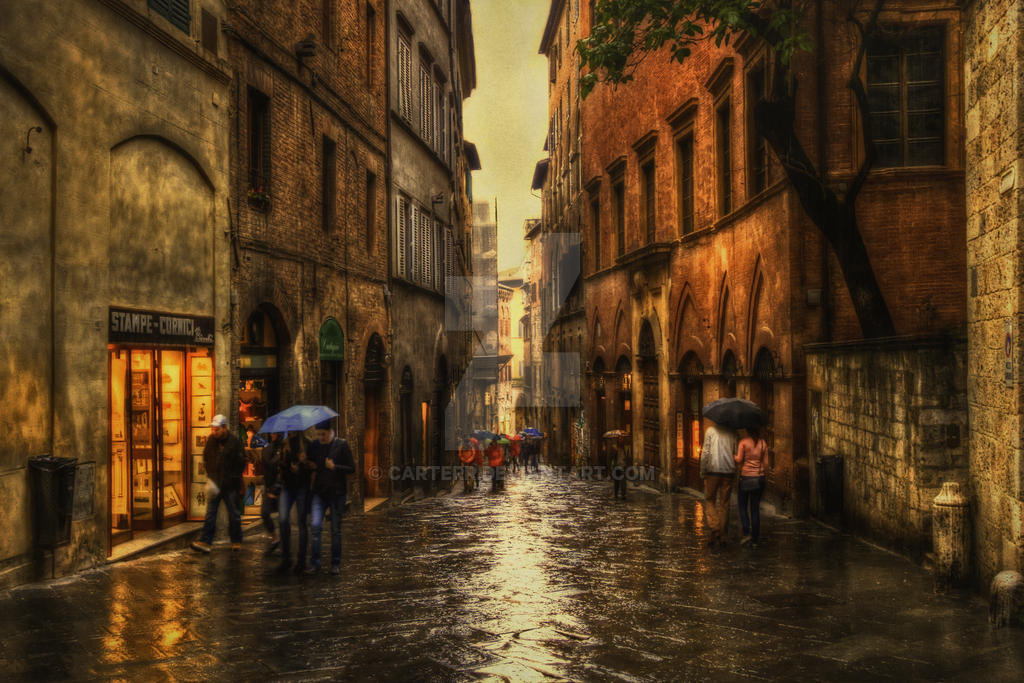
[[119, 202], [896, 411], [993, 51]]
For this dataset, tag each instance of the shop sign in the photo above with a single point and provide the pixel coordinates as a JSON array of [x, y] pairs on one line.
[[332, 341], [139, 327]]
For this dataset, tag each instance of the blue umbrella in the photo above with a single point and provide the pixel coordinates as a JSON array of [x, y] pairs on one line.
[[296, 419], [482, 434], [530, 431]]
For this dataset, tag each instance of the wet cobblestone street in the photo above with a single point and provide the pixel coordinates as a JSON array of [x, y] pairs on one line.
[[551, 579]]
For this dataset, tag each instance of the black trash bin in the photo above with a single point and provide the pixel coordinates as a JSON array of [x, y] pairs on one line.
[[829, 471], [53, 493]]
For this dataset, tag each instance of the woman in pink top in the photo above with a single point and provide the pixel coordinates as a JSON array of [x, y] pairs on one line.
[[753, 459]]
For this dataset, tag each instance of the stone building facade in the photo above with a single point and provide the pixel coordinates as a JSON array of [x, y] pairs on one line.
[[432, 70], [309, 219], [993, 40], [704, 277], [560, 296], [116, 263]]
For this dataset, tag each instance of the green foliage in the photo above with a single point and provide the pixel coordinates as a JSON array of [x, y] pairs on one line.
[[625, 31]]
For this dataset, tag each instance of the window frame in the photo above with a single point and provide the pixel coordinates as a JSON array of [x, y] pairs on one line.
[[758, 165], [259, 139], [723, 153]]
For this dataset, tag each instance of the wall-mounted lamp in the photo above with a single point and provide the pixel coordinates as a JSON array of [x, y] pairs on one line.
[[28, 136]]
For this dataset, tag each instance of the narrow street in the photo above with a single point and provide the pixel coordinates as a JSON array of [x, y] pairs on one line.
[[549, 580]]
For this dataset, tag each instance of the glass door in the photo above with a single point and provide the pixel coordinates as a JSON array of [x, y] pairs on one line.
[[120, 463], [172, 437], [142, 440]]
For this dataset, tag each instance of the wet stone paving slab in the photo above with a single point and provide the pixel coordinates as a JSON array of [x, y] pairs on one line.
[[551, 579]]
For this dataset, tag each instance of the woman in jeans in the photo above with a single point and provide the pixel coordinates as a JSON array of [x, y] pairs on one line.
[[752, 458]]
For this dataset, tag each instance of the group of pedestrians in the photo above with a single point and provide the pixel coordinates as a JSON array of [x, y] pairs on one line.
[[307, 478], [515, 454], [724, 452]]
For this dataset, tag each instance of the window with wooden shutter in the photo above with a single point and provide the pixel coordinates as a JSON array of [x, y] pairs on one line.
[[426, 105], [403, 237], [175, 11], [404, 78], [259, 143]]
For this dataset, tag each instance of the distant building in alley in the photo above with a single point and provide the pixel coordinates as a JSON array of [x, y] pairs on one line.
[[432, 71]]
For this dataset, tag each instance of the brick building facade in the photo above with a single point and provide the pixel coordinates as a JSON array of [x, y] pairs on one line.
[[704, 277], [309, 218]]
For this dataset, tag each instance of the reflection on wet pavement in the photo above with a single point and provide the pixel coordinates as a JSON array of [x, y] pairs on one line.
[[551, 579]]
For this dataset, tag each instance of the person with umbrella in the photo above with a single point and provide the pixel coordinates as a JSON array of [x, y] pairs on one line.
[[467, 456], [717, 469], [296, 475], [333, 460], [617, 461]]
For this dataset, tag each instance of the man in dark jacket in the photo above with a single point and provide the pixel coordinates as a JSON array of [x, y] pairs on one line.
[[224, 461], [333, 459]]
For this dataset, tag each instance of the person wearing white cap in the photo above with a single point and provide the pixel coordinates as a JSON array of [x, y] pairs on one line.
[[224, 461]]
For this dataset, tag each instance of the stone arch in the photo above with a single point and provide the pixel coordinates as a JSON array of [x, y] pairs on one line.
[[686, 331], [161, 223], [28, 220], [759, 332], [726, 321]]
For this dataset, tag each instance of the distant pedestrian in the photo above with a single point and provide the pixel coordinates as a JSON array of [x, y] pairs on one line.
[[295, 480], [754, 459], [514, 449], [496, 462], [333, 460], [224, 462], [619, 465], [467, 456], [717, 468], [271, 461]]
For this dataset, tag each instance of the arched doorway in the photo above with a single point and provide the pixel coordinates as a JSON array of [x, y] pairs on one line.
[[729, 371], [600, 405], [652, 406], [260, 362], [405, 427], [763, 391], [373, 384], [691, 372]]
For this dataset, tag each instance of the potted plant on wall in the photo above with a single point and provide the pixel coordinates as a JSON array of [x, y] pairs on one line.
[[259, 198]]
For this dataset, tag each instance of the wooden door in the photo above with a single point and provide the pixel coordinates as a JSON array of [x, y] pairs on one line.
[[371, 441]]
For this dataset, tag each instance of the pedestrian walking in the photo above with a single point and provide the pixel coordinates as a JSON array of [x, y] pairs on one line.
[[717, 468], [754, 459], [295, 480], [496, 461], [466, 456], [271, 461], [224, 461], [618, 469], [514, 453], [332, 458]]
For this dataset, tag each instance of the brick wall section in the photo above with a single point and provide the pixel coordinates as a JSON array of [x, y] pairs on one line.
[[285, 260], [993, 44], [912, 221], [896, 412]]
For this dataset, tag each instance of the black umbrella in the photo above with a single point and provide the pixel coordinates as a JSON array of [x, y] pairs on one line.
[[735, 413]]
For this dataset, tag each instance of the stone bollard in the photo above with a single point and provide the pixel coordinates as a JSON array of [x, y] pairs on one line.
[[1006, 599], [950, 536]]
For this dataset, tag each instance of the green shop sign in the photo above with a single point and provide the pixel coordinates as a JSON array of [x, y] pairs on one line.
[[332, 341]]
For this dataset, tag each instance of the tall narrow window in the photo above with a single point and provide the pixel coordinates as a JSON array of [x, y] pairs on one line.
[[402, 242], [371, 212], [426, 105], [648, 194], [404, 77], [327, 13], [905, 76], [259, 143], [757, 149], [619, 206], [329, 183], [595, 217], [684, 159], [371, 40], [723, 136]]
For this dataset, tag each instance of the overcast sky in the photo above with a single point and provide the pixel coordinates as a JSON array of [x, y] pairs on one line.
[[506, 116]]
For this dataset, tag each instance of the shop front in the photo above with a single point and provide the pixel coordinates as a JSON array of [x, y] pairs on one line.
[[161, 400]]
